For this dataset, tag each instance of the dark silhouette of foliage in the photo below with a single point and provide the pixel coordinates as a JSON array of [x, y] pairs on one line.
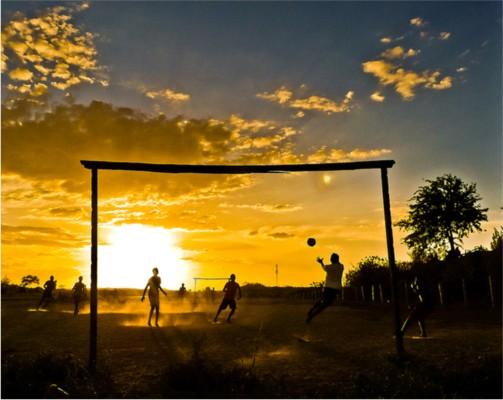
[[29, 280], [497, 239], [441, 214]]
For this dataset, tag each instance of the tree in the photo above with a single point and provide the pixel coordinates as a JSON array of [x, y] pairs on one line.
[[29, 280], [441, 214]]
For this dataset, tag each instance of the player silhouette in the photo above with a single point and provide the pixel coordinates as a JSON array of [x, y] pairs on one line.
[[332, 285], [231, 288], [49, 286], [420, 309], [78, 292], [153, 286]]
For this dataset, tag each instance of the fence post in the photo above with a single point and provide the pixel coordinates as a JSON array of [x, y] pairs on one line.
[[373, 294], [406, 292], [465, 298], [355, 290], [491, 292], [381, 297], [363, 292], [440, 293], [342, 294]]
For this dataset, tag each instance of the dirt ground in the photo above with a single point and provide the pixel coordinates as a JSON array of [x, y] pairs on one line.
[[331, 357]]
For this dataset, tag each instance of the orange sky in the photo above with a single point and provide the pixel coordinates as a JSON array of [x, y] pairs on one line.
[[72, 91]]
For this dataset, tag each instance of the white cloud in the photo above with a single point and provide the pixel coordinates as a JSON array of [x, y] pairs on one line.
[[377, 97]]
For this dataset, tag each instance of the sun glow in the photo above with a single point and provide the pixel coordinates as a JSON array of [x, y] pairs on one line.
[[133, 250]]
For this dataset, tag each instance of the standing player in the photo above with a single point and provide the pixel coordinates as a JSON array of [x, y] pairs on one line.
[[153, 286], [182, 291], [78, 292], [332, 287], [49, 286], [420, 309], [230, 290]]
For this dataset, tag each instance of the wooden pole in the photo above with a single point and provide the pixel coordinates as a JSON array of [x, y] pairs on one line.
[[440, 293], [355, 291], [373, 294], [491, 292], [93, 333], [391, 259], [381, 297], [362, 289]]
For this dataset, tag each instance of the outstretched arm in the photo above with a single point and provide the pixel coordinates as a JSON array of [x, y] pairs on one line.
[[162, 290], [320, 260], [239, 292]]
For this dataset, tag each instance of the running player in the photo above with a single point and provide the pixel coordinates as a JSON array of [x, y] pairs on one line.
[[49, 286], [230, 290], [153, 286], [332, 287], [78, 292]]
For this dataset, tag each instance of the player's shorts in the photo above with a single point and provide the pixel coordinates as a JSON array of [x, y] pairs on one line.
[[153, 297], [329, 295], [228, 302]]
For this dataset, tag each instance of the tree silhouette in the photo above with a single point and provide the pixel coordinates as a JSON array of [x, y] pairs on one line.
[[29, 280], [441, 214]]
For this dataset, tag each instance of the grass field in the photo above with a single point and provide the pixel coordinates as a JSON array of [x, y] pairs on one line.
[[350, 352]]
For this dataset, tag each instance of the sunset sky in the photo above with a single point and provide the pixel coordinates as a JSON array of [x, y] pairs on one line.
[[231, 83]]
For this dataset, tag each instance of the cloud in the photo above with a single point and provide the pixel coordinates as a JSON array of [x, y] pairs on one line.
[[399, 52], [280, 96], [405, 81], [444, 35], [48, 49], [377, 97], [386, 40], [168, 95], [417, 21], [268, 208], [20, 74], [461, 69], [284, 96], [281, 235], [324, 154], [40, 235]]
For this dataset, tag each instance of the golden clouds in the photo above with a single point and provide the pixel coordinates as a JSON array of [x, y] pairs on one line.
[[324, 154], [284, 96], [280, 96], [417, 21], [48, 49], [405, 81], [168, 95], [399, 52], [377, 97], [444, 35]]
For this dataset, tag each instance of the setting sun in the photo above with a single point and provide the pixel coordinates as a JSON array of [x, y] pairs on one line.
[[133, 250]]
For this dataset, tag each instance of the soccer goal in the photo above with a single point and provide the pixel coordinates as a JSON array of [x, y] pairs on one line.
[[95, 166], [197, 279]]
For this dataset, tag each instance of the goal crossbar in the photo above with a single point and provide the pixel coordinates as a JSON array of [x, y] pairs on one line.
[[94, 166]]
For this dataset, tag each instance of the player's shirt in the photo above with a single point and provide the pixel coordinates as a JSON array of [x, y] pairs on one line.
[[154, 283], [79, 289], [334, 275], [230, 290], [50, 286]]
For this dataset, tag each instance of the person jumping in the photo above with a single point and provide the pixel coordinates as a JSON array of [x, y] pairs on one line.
[[230, 290], [153, 286], [332, 287]]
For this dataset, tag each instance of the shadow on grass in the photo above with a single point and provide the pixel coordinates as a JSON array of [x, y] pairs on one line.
[[52, 375]]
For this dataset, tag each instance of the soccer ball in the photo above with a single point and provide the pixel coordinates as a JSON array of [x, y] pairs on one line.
[[311, 242]]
